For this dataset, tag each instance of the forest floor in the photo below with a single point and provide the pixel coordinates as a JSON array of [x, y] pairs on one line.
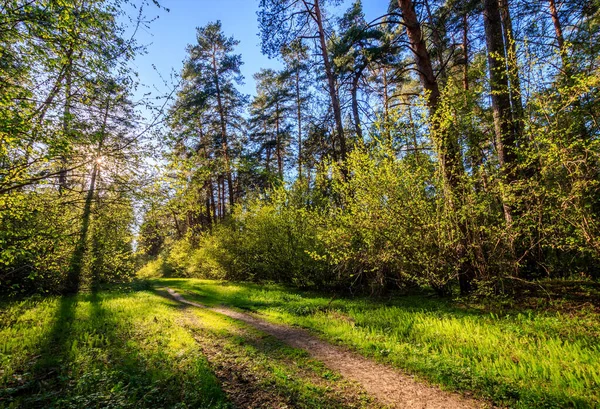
[[213, 344]]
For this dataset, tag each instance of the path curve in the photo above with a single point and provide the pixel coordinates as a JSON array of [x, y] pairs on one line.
[[387, 385]]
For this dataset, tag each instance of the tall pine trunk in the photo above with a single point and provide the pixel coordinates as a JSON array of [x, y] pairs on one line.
[[331, 82], [299, 119], [500, 95], [278, 147], [224, 138], [560, 38], [448, 149], [513, 70], [355, 112]]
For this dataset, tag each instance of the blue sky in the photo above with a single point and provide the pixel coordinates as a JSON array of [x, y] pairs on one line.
[[169, 35]]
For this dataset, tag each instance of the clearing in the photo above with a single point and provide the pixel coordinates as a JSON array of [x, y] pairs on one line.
[[212, 344]]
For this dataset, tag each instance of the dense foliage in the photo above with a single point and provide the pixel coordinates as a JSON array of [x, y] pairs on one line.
[[445, 144], [70, 146]]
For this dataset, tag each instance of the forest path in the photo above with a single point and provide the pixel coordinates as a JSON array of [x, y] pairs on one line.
[[387, 385]]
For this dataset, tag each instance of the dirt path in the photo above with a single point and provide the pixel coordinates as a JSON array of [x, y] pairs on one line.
[[387, 385], [251, 364]]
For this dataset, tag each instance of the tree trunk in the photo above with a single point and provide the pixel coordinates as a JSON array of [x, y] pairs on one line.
[[331, 81], [355, 113], [513, 70], [278, 149], [447, 143], [207, 204], [223, 201], [211, 197], [448, 149], [77, 259], [62, 176], [421, 55], [465, 46], [223, 124], [220, 216], [560, 38], [437, 40], [413, 127], [267, 148], [501, 108], [299, 119], [386, 106]]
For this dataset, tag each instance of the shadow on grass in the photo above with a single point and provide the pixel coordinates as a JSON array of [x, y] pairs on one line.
[[568, 337], [94, 356], [41, 379]]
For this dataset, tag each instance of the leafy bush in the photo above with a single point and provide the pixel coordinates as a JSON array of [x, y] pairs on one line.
[[385, 220], [39, 235]]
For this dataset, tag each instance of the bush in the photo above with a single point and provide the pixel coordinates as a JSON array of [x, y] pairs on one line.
[[386, 221]]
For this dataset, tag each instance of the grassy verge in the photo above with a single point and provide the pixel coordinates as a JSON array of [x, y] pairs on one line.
[[116, 349], [522, 359]]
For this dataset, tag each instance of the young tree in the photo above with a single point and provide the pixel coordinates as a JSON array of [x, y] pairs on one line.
[[283, 21], [295, 57], [271, 109], [358, 47], [211, 74]]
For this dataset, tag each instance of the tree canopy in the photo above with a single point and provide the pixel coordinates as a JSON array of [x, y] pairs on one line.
[[452, 145]]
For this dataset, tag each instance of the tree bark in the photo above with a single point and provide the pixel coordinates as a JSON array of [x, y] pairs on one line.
[[447, 143], [213, 209], [498, 82], [77, 259], [267, 148], [465, 46], [223, 123], [560, 39], [62, 176], [355, 112], [223, 200], [448, 150], [513, 70], [299, 119], [500, 96], [331, 81], [421, 55], [219, 196], [278, 150], [386, 105]]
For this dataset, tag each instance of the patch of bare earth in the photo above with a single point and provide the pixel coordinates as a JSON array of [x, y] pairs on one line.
[[388, 385]]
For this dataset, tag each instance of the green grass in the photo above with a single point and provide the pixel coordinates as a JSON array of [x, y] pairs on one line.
[[523, 359], [116, 349]]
